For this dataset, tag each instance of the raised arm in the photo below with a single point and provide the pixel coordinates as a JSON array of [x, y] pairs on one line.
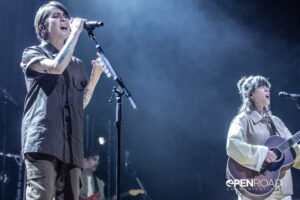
[[61, 61], [98, 68]]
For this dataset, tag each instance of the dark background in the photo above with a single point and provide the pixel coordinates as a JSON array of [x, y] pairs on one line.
[[181, 60]]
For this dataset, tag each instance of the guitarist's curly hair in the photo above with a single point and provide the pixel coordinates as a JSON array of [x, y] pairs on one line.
[[247, 86]]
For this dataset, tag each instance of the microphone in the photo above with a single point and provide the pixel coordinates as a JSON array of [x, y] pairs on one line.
[[289, 96], [91, 25]]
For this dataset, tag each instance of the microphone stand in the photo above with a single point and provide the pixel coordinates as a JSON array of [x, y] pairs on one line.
[[293, 97], [6, 99], [109, 160], [297, 100], [19, 162], [4, 143], [298, 105], [131, 172], [118, 93]]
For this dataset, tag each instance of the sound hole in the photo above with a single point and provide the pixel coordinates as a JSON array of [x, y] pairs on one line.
[[277, 152]]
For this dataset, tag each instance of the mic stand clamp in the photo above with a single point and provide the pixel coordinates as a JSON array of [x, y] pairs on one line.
[[8, 98]]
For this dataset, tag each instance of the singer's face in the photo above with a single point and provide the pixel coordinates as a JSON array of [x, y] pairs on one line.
[[261, 96], [58, 24]]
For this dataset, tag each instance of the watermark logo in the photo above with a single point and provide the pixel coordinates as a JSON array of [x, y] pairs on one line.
[[255, 184]]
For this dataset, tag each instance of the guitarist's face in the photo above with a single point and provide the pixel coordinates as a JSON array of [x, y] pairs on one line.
[[92, 163]]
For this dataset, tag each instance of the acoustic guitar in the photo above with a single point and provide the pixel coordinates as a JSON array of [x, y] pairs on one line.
[[258, 185], [129, 193]]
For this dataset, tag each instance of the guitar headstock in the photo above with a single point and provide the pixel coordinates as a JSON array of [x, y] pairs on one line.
[[136, 192]]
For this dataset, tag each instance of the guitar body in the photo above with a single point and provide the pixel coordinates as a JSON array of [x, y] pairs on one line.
[[263, 182], [92, 197]]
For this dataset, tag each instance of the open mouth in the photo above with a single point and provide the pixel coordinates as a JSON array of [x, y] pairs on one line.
[[64, 28], [267, 96]]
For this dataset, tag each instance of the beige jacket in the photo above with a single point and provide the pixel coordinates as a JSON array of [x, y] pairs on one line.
[[246, 136]]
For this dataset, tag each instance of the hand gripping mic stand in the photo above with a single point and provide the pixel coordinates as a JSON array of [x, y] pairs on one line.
[[118, 93]]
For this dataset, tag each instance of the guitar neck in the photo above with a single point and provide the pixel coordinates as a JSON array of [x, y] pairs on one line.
[[124, 194], [289, 142]]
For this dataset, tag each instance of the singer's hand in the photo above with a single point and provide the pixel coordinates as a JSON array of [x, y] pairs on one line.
[[271, 157], [76, 24], [98, 64]]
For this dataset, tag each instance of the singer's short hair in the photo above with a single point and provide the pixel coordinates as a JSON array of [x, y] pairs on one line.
[[42, 15], [246, 87]]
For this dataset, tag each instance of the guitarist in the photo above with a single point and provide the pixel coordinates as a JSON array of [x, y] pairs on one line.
[[252, 127], [91, 185]]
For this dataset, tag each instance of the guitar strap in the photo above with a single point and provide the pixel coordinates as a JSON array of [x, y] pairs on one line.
[[96, 185], [273, 127]]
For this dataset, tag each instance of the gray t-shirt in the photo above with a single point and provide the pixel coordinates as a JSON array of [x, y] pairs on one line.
[[53, 111]]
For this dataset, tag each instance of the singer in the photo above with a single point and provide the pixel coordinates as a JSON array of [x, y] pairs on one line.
[[58, 90], [252, 127]]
